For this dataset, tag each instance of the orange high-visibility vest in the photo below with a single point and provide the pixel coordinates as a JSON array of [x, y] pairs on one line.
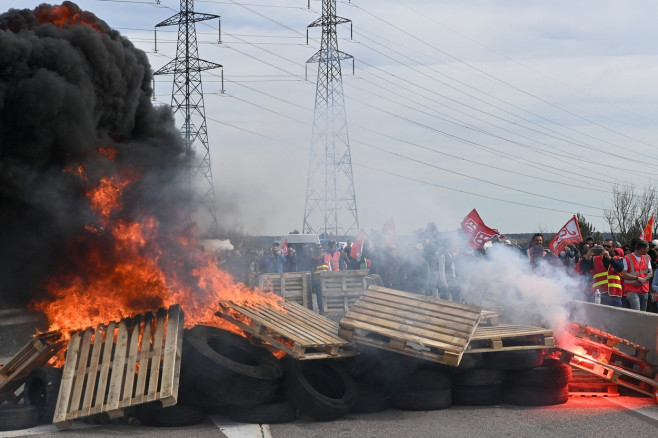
[[640, 269]]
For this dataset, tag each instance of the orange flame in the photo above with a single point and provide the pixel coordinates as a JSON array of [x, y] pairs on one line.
[[65, 15], [121, 269]]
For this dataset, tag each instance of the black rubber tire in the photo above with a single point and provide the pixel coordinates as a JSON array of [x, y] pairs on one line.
[[421, 399], [551, 374], [514, 359], [535, 395], [476, 395], [471, 361], [173, 416], [479, 377], [369, 398], [428, 379], [15, 417], [41, 390], [391, 370], [221, 368], [320, 389], [269, 413], [367, 359]]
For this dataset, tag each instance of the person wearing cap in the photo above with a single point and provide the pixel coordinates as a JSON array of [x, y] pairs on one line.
[[637, 276], [275, 261], [605, 267]]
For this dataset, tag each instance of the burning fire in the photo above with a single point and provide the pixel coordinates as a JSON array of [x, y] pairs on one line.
[[125, 266], [68, 14]]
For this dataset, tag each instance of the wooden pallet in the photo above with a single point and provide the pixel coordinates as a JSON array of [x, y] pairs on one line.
[[585, 384], [642, 384], [292, 286], [341, 289], [490, 317], [503, 337], [34, 354], [411, 324], [118, 365], [297, 331], [621, 345], [603, 353]]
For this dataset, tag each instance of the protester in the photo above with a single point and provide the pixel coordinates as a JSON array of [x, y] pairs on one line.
[[605, 266], [637, 275]]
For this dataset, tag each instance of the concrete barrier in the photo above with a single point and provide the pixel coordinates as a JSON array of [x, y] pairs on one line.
[[638, 327]]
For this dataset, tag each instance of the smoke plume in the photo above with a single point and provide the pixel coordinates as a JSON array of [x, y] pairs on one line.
[[75, 107]]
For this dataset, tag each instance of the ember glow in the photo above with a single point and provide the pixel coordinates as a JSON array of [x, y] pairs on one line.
[[121, 269]]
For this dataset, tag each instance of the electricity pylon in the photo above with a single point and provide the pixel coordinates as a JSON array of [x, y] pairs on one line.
[[330, 207], [187, 99]]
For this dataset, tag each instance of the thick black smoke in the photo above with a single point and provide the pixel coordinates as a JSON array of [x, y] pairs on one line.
[[68, 85]]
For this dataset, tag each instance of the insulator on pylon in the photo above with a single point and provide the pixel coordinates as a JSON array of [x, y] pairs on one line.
[[219, 35], [155, 40]]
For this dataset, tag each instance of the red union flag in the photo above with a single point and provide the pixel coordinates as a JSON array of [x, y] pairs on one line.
[[478, 233], [388, 233], [284, 248], [568, 234], [647, 233], [357, 245]]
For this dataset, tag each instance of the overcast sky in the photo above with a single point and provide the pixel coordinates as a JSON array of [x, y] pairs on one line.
[[528, 111]]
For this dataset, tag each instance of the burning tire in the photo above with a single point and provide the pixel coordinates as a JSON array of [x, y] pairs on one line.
[[219, 368], [552, 373], [535, 395], [41, 390], [422, 399], [14, 417], [514, 359], [269, 413], [173, 416], [321, 389]]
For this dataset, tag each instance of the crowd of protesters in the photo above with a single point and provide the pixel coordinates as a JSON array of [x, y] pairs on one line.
[[622, 274]]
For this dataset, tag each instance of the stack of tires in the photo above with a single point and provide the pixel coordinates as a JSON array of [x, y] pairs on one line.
[[545, 385], [40, 397], [477, 387], [223, 371], [426, 389]]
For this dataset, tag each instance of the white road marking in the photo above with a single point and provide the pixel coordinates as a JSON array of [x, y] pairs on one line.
[[241, 430]]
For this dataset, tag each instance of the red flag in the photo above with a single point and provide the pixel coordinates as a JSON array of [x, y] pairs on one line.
[[568, 234], [647, 233], [357, 245], [478, 233], [284, 248], [388, 233]]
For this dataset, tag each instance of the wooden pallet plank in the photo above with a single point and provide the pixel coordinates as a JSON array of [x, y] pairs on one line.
[[144, 359], [92, 373], [131, 362], [156, 359], [118, 368], [105, 366], [171, 364], [80, 378], [68, 378]]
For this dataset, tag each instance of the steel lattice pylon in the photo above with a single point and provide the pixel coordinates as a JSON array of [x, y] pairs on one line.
[[330, 207], [187, 99]]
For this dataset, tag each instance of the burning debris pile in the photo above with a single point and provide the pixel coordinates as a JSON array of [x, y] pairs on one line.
[[95, 217]]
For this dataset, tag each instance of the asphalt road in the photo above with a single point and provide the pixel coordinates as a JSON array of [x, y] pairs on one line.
[[581, 417]]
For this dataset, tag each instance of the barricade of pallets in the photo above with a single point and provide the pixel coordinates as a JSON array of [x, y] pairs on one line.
[[411, 324], [503, 337], [586, 384], [118, 365], [341, 289], [291, 286], [34, 354], [624, 377], [609, 340], [293, 329]]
